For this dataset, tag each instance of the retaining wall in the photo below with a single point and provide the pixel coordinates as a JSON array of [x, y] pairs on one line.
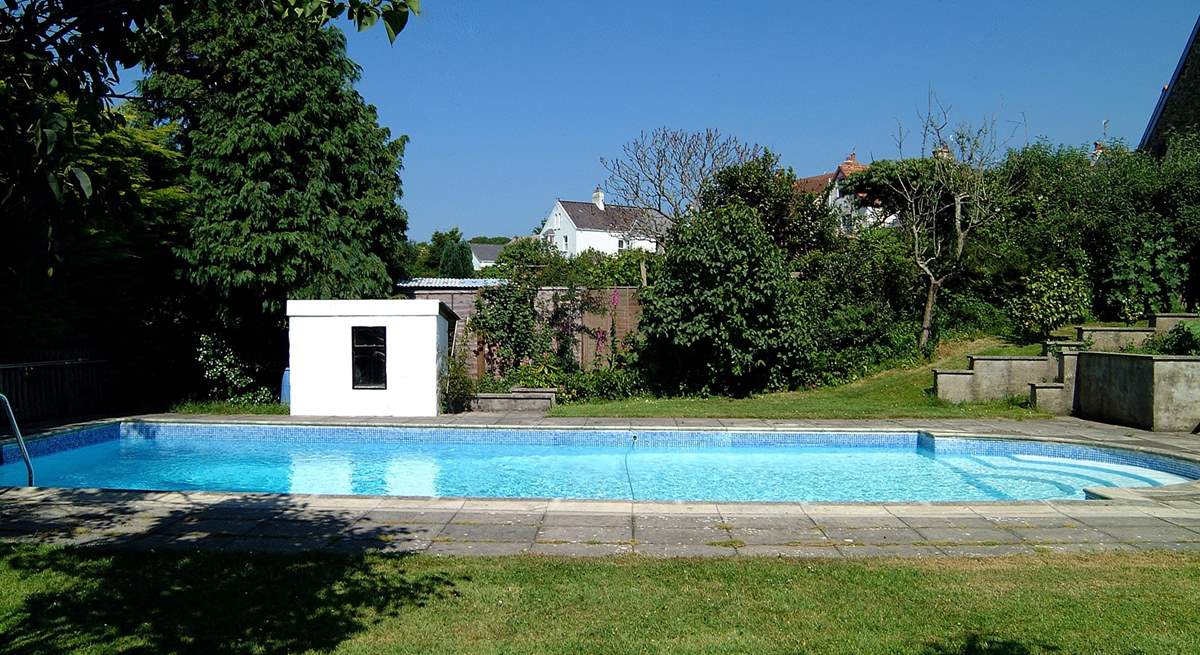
[[1144, 391]]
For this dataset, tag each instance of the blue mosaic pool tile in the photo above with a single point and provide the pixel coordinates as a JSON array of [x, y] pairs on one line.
[[967, 446], [59, 441], [922, 442]]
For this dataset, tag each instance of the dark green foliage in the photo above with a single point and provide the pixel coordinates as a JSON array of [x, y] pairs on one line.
[[97, 276], [506, 323], [58, 66], [859, 296], [458, 388], [1183, 339], [495, 241], [534, 259], [1051, 299], [795, 221], [456, 261], [603, 384], [724, 317], [1126, 222], [445, 253], [295, 183]]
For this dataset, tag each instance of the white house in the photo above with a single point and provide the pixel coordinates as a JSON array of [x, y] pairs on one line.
[[484, 254], [855, 213], [574, 227], [367, 357]]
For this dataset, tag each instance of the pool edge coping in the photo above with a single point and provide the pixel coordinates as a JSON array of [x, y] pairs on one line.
[[1131, 495]]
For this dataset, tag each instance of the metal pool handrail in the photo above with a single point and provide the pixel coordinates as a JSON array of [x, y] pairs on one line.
[[12, 422]]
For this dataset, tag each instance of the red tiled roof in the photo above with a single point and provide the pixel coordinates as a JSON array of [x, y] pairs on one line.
[[818, 183]]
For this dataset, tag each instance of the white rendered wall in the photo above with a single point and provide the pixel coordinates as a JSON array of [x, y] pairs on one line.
[[559, 225], [320, 355]]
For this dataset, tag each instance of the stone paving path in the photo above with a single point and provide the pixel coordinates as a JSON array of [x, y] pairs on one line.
[[444, 526], [1167, 518]]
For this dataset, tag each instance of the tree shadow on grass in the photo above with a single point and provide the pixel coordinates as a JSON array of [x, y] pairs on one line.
[[981, 644], [117, 597]]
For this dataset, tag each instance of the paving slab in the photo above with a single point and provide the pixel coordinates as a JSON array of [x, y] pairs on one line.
[[968, 535], [585, 534], [879, 550], [862, 521], [575, 519], [1134, 518], [781, 550], [683, 550], [876, 536], [692, 536], [776, 522], [986, 550], [776, 536], [1172, 533], [677, 521], [480, 548], [580, 549], [466, 517], [523, 534], [1062, 535]]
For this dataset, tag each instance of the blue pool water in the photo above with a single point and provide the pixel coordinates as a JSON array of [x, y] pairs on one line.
[[667, 465]]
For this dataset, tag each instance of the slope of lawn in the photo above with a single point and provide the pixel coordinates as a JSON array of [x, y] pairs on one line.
[[56, 600], [895, 393]]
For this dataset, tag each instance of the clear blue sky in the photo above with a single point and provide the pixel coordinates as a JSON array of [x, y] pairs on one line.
[[510, 105]]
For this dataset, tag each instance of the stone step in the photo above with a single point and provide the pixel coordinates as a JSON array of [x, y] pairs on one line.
[[1050, 397], [1052, 346]]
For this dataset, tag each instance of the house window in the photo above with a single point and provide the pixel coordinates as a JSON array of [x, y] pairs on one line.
[[621, 245], [565, 243], [369, 355]]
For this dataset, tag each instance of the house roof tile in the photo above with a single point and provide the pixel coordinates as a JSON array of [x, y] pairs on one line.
[[587, 216]]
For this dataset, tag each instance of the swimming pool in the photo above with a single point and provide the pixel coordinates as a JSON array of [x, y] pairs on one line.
[[580, 464]]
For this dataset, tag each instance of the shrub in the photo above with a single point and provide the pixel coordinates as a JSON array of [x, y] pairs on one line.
[[1183, 339], [228, 378], [724, 315], [457, 386], [1051, 298], [601, 384]]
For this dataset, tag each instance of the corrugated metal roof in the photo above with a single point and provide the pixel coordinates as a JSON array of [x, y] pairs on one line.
[[450, 283]]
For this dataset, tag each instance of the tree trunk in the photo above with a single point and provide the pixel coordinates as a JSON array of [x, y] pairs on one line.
[[927, 318], [642, 270]]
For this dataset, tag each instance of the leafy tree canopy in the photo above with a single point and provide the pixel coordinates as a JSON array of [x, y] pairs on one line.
[[724, 315], [794, 221], [52, 50], [296, 185]]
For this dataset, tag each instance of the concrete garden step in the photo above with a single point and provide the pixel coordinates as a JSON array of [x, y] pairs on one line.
[[1112, 338], [1052, 397]]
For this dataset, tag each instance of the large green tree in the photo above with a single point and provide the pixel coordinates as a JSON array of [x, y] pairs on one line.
[[59, 63], [724, 315], [792, 218], [296, 185]]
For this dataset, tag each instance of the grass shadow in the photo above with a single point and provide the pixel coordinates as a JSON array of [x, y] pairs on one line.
[[187, 586], [980, 644]]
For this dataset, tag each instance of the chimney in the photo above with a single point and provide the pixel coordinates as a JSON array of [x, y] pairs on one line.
[[1097, 151], [598, 198], [943, 152], [851, 158]]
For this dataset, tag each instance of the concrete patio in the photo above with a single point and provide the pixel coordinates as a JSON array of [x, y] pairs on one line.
[[1163, 518]]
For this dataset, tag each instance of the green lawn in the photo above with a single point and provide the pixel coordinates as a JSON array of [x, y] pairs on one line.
[[84, 601], [895, 393], [220, 407]]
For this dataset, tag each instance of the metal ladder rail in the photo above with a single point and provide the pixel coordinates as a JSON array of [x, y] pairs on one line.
[[12, 422]]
